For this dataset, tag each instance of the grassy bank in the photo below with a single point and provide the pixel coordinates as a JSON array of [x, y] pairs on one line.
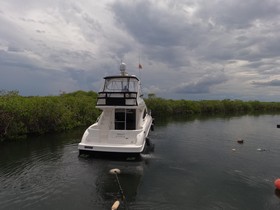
[[20, 116]]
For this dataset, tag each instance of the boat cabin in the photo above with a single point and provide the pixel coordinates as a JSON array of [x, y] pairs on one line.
[[123, 95]]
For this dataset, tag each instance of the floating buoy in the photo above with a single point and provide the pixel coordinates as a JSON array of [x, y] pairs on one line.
[[115, 171], [261, 149], [240, 141], [277, 183], [115, 205]]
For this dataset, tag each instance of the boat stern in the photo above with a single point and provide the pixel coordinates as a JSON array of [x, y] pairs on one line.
[[113, 141]]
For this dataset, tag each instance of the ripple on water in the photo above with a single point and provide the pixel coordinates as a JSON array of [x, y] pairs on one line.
[[34, 178], [249, 179]]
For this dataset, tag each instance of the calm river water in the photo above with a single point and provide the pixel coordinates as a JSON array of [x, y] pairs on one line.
[[197, 164]]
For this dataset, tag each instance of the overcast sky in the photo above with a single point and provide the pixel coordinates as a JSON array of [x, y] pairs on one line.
[[189, 49]]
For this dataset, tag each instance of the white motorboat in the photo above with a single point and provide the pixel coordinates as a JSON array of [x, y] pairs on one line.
[[125, 122]]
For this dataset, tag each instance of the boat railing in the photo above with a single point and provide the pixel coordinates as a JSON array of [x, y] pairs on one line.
[[117, 99]]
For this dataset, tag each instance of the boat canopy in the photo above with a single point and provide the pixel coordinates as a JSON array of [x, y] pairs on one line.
[[121, 84], [121, 90]]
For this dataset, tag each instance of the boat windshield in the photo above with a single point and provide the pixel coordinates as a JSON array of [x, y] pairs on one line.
[[121, 85]]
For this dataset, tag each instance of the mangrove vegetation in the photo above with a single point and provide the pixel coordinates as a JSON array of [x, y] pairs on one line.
[[21, 116], [160, 106]]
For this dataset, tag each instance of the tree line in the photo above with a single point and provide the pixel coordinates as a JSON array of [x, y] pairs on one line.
[[21, 116]]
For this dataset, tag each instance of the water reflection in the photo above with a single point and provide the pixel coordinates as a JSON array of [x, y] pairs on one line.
[[129, 178], [277, 193], [33, 169], [106, 186], [124, 185], [193, 167]]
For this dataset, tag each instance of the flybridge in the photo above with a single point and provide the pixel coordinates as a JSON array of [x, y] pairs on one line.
[[121, 90]]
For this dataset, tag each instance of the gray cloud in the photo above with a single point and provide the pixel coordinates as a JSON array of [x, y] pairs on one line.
[[237, 14], [147, 23], [165, 33], [68, 45], [203, 85], [274, 82]]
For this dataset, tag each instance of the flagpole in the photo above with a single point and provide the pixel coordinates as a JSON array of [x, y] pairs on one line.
[[140, 75], [139, 67]]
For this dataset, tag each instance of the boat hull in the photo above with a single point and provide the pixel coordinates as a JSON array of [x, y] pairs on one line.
[[111, 149], [149, 147], [114, 155]]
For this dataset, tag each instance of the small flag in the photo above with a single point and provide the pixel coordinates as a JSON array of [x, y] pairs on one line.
[[140, 66]]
